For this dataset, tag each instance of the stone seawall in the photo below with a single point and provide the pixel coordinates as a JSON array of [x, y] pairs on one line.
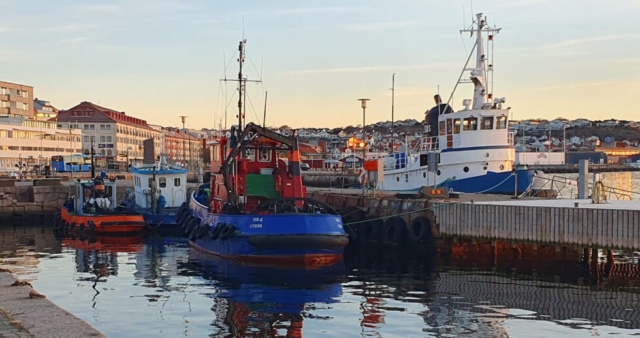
[[43, 197]]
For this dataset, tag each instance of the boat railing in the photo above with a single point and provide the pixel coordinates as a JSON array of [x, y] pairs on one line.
[[427, 144], [567, 188]]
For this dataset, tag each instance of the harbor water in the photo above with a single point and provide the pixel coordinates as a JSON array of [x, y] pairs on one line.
[[154, 286]]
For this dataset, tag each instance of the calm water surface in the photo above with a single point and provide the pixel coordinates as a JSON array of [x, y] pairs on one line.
[[154, 286]]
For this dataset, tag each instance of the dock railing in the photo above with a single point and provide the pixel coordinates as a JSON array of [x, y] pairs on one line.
[[567, 188]]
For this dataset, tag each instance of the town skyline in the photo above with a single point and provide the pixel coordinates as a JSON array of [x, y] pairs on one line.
[[160, 59]]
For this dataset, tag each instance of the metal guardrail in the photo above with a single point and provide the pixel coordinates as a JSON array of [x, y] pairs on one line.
[[567, 188]]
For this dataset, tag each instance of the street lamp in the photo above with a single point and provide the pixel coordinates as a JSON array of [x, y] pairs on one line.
[[363, 104], [184, 149]]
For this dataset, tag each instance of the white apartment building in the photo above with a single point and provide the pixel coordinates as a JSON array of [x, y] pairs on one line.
[[31, 142], [117, 137]]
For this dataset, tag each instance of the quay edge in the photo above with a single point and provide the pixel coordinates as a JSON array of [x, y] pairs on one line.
[[38, 317]]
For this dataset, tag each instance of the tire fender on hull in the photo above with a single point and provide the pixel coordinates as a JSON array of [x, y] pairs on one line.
[[421, 228]]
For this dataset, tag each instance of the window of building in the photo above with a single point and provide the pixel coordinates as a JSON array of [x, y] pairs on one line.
[[108, 138], [85, 139], [456, 126], [176, 182], [86, 127], [163, 182], [501, 122], [108, 126], [92, 127], [470, 123], [102, 138], [102, 127], [487, 123]]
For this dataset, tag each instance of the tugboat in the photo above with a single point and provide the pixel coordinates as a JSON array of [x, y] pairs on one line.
[[467, 151], [159, 191], [257, 208], [91, 210]]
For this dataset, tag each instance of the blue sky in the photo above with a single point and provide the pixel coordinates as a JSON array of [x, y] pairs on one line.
[[158, 59]]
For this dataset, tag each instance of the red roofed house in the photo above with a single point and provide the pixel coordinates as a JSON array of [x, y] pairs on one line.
[[117, 136]]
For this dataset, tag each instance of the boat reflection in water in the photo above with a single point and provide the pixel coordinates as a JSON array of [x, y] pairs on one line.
[[265, 300]]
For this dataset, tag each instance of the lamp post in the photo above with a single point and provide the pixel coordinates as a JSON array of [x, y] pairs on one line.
[[363, 104], [184, 149]]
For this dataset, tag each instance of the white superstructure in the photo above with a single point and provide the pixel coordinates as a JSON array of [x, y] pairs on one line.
[[466, 144]]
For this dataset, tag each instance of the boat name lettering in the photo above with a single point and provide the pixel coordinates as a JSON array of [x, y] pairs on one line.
[[257, 219], [256, 226]]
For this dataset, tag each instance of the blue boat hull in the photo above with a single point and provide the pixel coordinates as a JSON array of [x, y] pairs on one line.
[[278, 238], [503, 183]]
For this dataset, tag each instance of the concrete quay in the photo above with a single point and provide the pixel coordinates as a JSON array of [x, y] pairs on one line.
[[22, 316]]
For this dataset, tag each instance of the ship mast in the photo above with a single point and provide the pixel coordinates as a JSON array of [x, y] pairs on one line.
[[241, 84]]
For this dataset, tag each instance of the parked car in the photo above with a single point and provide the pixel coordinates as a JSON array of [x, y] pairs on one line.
[[304, 166]]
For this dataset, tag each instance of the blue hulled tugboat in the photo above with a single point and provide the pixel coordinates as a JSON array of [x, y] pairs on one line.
[[256, 208], [159, 191]]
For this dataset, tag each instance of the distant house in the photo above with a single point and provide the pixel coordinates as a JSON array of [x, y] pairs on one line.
[[575, 140], [580, 123], [608, 123]]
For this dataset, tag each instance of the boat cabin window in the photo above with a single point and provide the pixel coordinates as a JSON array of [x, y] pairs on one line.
[[150, 182], [176, 181], [456, 126], [249, 154], [501, 122], [470, 123], [486, 123], [163, 182], [449, 127], [216, 152], [264, 155], [442, 128]]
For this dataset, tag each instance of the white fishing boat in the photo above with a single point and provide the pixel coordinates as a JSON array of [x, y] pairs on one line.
[[470, 150]]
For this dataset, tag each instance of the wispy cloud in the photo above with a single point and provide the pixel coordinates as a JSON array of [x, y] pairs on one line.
[[573, 42], [584, 85], [373, 26], [371, 69], [73, 40], [101, 8], [312, 10]]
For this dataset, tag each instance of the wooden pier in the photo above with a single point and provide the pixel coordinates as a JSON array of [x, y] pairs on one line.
[[613, 224], [559, 222]]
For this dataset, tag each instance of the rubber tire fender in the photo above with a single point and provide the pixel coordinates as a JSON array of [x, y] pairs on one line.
[[228, 232], [182, 219], [81, 227], [71, 226], [202, 231], [421, 228], [395, 230], [217, 230], [91, 225], [193, 224]]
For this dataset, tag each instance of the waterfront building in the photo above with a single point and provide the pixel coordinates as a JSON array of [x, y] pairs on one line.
[[15, 100], [117, 137], [183, 148], [44, 110], [28, 142]]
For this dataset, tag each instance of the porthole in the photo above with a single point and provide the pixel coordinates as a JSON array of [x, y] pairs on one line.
[[438, 172], [502, 167], [397, 179], [466, 169], [485, 168], [424, 175]]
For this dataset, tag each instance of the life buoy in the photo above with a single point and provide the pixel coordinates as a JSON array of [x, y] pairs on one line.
[[395, 230], [91, 225], [421, 228], [279, 184], [228, 232], [217, 230]]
